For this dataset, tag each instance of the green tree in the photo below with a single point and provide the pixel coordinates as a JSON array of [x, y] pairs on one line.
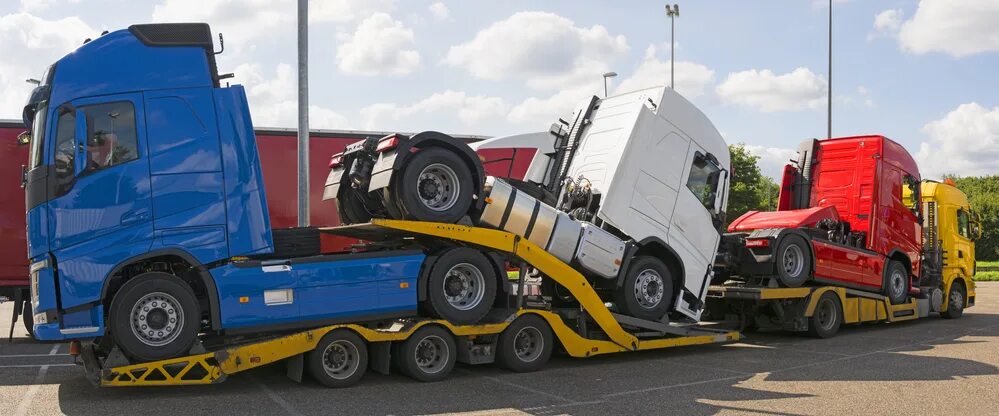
[[983, 194], [750, 190]]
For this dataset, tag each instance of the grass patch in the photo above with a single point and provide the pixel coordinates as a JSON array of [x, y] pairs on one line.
[[991, 263], [986, 277]]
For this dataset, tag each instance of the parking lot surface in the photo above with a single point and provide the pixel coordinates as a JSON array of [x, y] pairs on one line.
[[927, 366]]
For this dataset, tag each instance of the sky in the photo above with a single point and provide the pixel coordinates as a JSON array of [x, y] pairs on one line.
[[922, 72]]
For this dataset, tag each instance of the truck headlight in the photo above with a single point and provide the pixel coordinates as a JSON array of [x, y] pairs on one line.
[[34, 270]]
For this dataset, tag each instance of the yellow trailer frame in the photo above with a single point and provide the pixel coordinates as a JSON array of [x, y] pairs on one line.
[[213, 367], [856, 306]]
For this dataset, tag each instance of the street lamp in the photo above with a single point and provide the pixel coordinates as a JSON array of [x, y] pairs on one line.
[[672, 12], [608, 75]]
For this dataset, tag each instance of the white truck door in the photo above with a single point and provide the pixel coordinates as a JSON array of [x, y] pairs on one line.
[[693, 234]]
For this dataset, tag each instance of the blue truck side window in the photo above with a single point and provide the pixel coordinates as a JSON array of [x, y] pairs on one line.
[[65, 142], [111, 135]]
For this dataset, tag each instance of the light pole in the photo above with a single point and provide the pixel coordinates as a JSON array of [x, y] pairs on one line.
[[303, 113], [608, 75], [829, 90], [672, 12]]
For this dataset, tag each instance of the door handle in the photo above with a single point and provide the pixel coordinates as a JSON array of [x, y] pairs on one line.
[[134, 217]]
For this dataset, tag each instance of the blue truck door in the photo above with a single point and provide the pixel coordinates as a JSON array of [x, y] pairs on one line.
[[100, 209]]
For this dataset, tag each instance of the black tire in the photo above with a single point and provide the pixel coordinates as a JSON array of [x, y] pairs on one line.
[[461, 287], [351, 208], [434, 185], [28, 319], [827, 318], [428, 355], [896, 282], [173, 300], [340, 359], [956, 298], [525, 345], [793, 260], [647, 292]]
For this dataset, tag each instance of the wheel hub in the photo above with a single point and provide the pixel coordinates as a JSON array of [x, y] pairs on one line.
[[157, 319], [431, 354], [528, 344], [340, 359], [792, 260], [897, 283], [956, 299], [464, 286], [649, 289], [437, 186]]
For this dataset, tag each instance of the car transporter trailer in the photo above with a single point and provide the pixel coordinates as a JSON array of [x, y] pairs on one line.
[[481, 343]]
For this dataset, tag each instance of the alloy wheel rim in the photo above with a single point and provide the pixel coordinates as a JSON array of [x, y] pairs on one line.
[[431, 354], [649, 289], [464, 286], [157, 319], [437, 186]]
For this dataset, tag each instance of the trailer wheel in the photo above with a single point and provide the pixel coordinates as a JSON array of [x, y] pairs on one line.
[[28, 319], [427, 355], [340, 359], [827, 318], [435, 185], [955, 301], [155, 316], [647, 292], [525, 345], [794, 261], [461, 287], [896, 283]]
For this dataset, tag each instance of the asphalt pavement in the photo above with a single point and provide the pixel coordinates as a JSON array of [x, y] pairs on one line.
[[930, 366]]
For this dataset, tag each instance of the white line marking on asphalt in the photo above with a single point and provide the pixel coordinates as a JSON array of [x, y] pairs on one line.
[[32, 355], [22, 408], [288, 408], [36, 365]]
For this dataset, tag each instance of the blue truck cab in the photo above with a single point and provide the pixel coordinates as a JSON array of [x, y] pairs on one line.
[[146, 211]]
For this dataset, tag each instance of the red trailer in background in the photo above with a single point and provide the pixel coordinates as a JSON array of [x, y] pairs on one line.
[[278, 150]]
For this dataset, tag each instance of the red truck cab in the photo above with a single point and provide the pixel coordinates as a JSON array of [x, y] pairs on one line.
[[841, 219]]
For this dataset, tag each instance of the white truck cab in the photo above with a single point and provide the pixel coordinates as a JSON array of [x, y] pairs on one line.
[[652, 171]]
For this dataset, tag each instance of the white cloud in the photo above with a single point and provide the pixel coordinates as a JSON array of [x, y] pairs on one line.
[[381, 45], [470, 109], [273, 100], [440, 11], [691, 78], [767, 92], [964, 142], [539, 113], [33, 6], [957, 28], [772, 159], [31, 44], [888, 21], [245, 20], [546, 50]]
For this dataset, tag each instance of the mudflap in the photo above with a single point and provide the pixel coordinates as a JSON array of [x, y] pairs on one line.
[[91, 366], [295, 367], [380, 357]]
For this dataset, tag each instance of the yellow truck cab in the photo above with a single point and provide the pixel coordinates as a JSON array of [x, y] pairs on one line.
[[950, 229]]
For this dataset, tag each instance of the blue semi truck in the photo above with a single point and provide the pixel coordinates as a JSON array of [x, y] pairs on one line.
[[147, 221]]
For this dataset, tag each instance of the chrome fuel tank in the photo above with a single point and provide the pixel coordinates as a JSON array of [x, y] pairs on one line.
[[519, 213]]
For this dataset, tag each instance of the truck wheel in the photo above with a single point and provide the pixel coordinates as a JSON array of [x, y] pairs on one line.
[[525, 345], [340, 359], [155, 316], [28, 319], [427, 355], [647, 292], [435, 185], [896, 284], [827, 318], [955, 301], [461, 287], [351, 209], [794, 261]]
